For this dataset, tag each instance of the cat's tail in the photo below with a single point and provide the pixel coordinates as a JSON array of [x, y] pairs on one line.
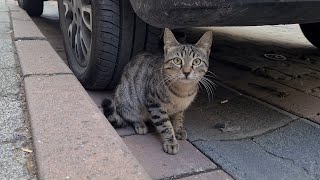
[[109, 110]]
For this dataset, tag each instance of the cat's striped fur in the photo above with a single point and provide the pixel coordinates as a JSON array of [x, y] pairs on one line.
[[160, 89]]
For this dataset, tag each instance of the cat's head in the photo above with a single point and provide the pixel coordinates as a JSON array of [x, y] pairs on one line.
[[186, 63]]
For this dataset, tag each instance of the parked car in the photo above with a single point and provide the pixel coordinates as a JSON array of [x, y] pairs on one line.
[[101, 36]]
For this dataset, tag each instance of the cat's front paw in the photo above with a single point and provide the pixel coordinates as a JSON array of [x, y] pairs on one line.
[[181, 134], [171, 148]]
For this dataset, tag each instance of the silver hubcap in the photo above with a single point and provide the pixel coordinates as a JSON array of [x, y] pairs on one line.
[[78, 16]]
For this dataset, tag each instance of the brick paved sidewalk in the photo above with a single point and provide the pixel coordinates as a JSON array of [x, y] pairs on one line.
[[189, 163], [267, 143]]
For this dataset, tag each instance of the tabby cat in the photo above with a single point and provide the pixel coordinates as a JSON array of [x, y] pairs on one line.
[[160, 89]]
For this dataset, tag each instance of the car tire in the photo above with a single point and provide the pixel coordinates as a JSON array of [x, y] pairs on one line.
[[32, 7], [311, 32], [113, 35]]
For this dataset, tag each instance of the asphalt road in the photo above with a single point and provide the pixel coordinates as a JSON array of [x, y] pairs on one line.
[[259, 140]]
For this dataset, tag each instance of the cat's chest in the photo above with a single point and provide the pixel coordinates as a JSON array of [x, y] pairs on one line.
[[179, 104]]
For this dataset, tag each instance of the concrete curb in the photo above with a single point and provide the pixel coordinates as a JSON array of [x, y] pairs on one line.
[[72, 138]]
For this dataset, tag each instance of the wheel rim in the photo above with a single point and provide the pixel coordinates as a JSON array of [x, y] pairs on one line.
[[78, 15]]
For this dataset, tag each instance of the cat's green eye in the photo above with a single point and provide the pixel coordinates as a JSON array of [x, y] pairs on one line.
[[177, 61], [196, 62]]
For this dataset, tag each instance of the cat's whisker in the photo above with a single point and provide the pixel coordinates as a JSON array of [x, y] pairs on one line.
[[167, 79], [175, 78], [210, 89], [171, 82], [210, 76], [164, 82], [198, 82], [205, 86], [210, 96], [212, 73], [207, 89], [210, 86], [201, 84], [210, 82]]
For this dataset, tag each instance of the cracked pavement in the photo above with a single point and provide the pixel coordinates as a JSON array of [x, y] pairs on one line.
[[243, 135]]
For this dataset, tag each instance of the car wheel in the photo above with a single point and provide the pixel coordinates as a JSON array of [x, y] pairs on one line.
[[32, 7], [100, 37], [311, 32]]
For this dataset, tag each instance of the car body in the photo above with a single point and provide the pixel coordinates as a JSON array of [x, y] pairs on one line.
[[100, 37], [194, 13]]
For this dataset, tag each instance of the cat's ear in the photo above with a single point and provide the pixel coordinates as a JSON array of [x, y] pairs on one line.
[[169, 40], [205, 41]]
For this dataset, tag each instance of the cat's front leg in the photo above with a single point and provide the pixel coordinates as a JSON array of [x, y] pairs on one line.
[[160, 119], [177, 122]]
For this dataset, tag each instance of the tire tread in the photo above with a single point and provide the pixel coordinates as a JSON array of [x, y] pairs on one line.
[[114, 45]]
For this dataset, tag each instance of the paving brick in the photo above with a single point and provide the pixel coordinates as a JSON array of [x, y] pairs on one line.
[[38, 57], [20, 15], [26, 29], [296, 102], [71, 136], [245, 159], [203, 100], [148, 150], [298, 142], [315, 118], [247, 81], [214, 175], [247, 118], [304, 84]]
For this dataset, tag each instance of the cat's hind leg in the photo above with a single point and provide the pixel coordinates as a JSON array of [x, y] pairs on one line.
[[109, 110], [132, 115], [140, 127]]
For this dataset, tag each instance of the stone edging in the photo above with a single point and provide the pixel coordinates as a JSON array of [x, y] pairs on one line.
[[72, 138]]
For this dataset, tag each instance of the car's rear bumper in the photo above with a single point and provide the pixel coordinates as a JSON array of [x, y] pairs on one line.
[[195, 13]]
